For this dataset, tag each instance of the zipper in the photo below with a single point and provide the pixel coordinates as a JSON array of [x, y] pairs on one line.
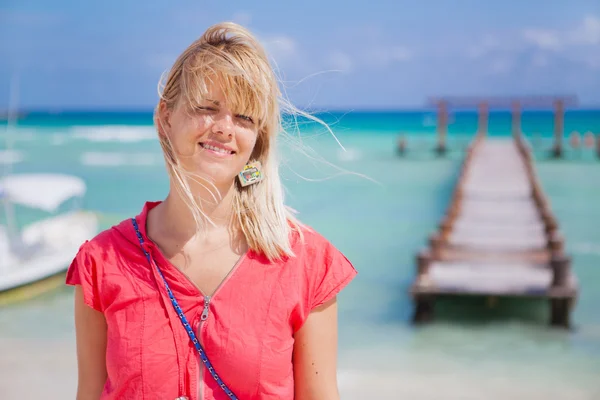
[[204, 316], [200, 376]]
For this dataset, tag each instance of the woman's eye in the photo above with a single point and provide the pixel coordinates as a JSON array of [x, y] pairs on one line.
[[246, 118], [211, 109]]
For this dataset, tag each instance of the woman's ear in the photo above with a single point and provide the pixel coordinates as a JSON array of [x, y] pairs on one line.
[[259, 146], [163, 118]]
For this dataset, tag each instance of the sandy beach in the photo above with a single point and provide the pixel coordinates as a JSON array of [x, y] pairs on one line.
[[34, 371]]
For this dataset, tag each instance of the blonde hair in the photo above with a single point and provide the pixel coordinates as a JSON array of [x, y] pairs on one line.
[[230, 53]]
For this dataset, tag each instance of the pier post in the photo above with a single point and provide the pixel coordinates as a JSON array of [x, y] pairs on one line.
[[482, 126], [559, 120], [435, 243], [446, 228], [556, 243], [560, 307], [516, 119], [424, 303], [401, 149], [423, 262], [442, 128]]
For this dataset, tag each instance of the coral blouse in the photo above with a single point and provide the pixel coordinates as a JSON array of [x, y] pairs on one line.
[[248, 334]]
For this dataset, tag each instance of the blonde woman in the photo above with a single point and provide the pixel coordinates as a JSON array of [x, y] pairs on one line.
[[217, 292]]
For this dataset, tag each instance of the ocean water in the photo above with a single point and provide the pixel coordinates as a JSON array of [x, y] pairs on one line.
[[378, 209]]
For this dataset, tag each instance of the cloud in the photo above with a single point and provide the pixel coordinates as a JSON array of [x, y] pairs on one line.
[[340, 61], [536, 48], [384, 56], [242, 17], [500, 66], [543, 38], [487, 44], [280, 47], [588, 33], [399, 53]]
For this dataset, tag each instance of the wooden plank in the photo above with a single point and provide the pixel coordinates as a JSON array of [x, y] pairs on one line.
[[483, 228], [505, 279], [497, 243]]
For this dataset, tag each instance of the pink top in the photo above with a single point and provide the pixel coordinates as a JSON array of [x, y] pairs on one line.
[[248, 335]]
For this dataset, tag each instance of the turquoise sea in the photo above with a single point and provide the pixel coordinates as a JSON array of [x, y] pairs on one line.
[[378, 209]]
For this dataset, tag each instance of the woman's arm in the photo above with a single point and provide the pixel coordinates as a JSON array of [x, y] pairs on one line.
[[90, 329], [315, 355]]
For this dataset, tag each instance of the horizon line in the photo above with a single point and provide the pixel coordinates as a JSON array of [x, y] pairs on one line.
[[322, 109]]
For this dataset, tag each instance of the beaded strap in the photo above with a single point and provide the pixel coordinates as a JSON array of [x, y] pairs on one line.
[[183, 319]]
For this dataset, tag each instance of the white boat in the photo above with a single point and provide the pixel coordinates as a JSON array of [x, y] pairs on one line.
[[46, 247], [34, 257]]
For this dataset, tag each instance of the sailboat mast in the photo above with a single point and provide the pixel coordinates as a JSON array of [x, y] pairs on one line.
[[11, 121]]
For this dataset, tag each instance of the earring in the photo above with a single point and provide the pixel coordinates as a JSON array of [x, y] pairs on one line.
[[251, 173]]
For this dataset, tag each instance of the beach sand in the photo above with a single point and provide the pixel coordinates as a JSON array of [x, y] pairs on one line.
[[30, 370]]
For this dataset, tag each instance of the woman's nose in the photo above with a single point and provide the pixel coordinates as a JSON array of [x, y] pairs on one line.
[[223, 124]]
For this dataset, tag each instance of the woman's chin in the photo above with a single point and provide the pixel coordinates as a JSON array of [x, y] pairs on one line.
[[214, 175]]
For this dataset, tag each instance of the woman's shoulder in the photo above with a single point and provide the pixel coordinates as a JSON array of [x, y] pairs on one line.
[[308, 240], [318, 255], [320, 270], [97, 258], [109, 239]]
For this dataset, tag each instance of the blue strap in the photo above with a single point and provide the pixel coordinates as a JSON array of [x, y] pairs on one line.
[[183, 319]]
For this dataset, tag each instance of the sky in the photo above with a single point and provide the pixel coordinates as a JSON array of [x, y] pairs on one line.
[[343, 54]]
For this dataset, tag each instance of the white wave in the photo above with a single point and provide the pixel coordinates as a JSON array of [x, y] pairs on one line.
[[10, 157], [586, 248], [349, 155], [19, 134], [58, 139], [116, 133], [115, 159]]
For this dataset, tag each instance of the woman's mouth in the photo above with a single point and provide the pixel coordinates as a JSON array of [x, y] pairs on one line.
[[216, 149]]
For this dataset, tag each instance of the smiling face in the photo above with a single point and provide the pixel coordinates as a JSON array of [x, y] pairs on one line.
[[209, 138]]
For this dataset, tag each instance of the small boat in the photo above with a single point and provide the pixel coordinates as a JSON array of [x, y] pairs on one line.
[[34, 258]]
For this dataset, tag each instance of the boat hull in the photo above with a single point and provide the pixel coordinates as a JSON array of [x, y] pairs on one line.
[[47, 250]]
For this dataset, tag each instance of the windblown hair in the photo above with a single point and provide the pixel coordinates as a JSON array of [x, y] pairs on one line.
[[231, 54]]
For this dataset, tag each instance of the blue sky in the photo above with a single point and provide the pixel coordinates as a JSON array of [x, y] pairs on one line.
[[330, 54]]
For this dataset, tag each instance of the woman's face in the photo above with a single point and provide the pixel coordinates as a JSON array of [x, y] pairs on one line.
[[211, 140]]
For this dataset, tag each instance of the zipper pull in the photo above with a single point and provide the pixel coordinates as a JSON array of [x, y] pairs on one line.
[[204, 315]]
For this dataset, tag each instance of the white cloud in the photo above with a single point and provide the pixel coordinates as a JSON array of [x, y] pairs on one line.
[[280, 47], [487, 44], [399, 53], [588, 32], [243, 18], [543, 38], [500, 66], [539, 60], [538, 47], [286, 54], [381, 56], [340, 61]]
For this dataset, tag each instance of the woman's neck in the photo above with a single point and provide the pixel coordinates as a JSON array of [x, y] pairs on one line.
[[174, 217]]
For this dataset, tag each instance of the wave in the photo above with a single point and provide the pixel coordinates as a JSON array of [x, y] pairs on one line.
[[58, 139], [114, 133], [588, 248], [10, 157], [117, 159], [349, 155], [19, 134]]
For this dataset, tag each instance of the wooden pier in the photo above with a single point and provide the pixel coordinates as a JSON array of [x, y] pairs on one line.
[[498, 238]]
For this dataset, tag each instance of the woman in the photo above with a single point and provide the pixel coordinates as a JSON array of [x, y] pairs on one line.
[[218, 291]]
